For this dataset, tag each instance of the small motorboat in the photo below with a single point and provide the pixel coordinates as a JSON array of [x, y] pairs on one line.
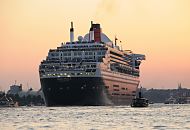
[[139, 101]]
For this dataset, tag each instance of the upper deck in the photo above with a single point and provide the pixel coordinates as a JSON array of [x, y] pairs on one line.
[[94, 48]]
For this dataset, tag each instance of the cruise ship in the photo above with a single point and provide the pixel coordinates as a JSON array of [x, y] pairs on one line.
[[90, 71]]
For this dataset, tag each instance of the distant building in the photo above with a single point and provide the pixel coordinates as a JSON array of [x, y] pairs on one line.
[[15, 89], [180, 95], [30, 92], [25, 97]]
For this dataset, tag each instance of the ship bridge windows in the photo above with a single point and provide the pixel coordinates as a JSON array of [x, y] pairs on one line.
[[101, 53], [68, 59], [54, 58], [89, 57], [77, 53], [88, 53], [67, 53], [53, 54]]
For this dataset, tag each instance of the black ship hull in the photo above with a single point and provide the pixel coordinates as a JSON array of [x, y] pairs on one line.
[[72, 91], [75, 91]]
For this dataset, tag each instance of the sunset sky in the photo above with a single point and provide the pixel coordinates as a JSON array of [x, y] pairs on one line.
[[160, 29]]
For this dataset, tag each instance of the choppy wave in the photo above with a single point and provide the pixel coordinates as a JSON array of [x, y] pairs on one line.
[[157, 116]]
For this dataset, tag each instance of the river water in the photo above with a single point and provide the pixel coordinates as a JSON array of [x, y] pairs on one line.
[[156, 116]]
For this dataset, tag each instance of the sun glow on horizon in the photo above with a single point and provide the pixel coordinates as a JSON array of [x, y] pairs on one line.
[[158, 29]]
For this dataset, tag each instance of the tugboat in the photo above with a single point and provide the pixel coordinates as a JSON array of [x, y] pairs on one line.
[[139, 101]]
